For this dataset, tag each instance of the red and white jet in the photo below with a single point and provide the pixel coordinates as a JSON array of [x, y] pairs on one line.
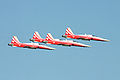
[[69, 34], [50, 40], [15, 43]]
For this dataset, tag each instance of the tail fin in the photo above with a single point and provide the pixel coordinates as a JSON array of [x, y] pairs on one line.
[[15, 40], [49, 37], [36, 35], [68, 31]]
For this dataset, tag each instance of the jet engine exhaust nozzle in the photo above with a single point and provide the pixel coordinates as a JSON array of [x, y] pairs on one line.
[[10, 44], [32, 40], [64, 36], [45, 41]]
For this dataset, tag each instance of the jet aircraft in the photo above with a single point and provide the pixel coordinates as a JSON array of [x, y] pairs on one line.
[[69, 34], [15, 43], [50, 40]]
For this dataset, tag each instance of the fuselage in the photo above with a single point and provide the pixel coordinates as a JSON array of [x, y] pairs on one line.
[[37, 40], [85, 37], [62, 42], [30, 45]]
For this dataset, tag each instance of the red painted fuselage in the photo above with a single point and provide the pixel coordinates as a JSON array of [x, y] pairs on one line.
[[69, 34], [50, 40], [85, 37], [16, 43], [65, 43]]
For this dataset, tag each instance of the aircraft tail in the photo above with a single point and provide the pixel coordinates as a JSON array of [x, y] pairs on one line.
[[15, 40], [49, 37], [36, 35], [68, 31]]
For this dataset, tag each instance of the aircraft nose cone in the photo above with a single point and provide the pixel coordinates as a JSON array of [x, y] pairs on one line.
[[100, 39], [52, 48], [88, 46], [106, 40]]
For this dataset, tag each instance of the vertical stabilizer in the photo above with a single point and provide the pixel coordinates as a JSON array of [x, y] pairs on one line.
[[49, 37], [68, 31], [15, 40], [36, 35]]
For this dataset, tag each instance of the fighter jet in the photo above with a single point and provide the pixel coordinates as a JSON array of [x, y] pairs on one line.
[[50, 40], [15, 43], [69, 34]]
